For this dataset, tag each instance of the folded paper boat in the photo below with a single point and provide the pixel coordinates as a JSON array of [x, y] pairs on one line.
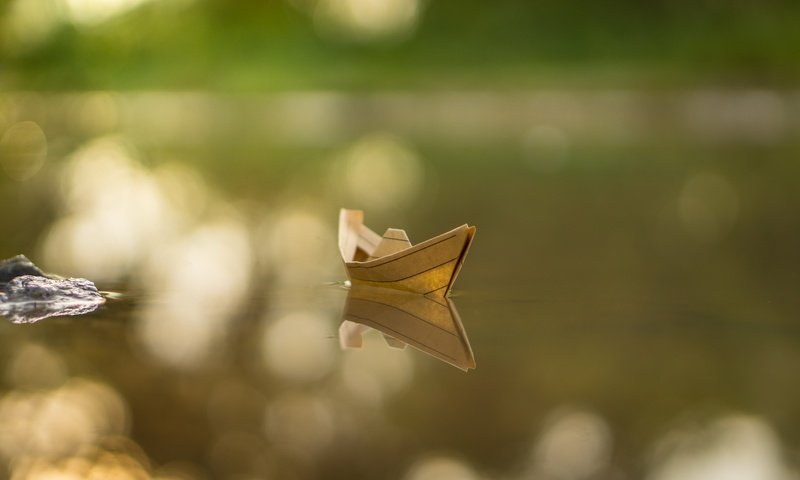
[[428, 268]]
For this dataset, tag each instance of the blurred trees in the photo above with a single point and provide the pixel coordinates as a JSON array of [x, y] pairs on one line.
[[244, 45]]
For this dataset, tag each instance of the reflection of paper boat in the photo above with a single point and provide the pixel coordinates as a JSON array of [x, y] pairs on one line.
[[427, 268], [427, 323]]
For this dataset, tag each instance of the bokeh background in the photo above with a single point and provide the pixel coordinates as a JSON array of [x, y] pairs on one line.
[[631, 296]]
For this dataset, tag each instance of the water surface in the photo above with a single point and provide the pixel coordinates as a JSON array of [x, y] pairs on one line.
[[630, 296]]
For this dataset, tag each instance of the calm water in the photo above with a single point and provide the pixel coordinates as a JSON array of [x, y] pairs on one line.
[[630, 297]]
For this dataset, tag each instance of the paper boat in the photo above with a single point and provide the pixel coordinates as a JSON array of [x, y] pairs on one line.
[[427, 268], [429, 324]]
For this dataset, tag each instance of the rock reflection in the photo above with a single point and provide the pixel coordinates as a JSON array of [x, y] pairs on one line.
[[32, 312], [429, 324]]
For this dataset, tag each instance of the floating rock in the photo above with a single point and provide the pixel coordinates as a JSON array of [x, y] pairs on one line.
[[18, 266], [29, 288], [27, 295]]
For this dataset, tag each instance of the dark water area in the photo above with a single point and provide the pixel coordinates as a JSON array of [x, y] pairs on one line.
[[630, 296]]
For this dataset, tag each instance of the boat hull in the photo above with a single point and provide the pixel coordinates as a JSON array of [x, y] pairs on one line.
[[428, 268]]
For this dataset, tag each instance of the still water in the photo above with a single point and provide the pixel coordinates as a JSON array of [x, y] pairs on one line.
[[630, 296]]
